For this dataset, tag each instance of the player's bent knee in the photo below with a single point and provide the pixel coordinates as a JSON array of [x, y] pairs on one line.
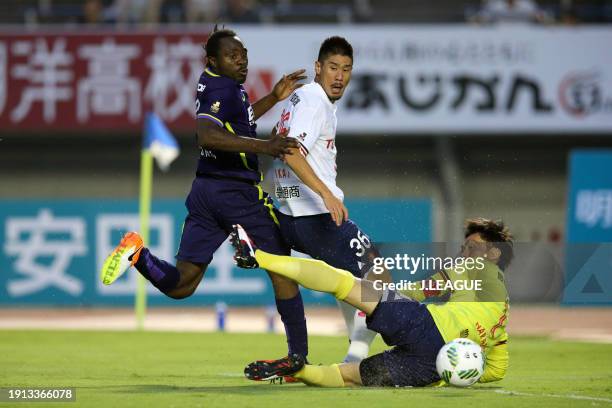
[[191, 275], [183, 291], [180, 293]]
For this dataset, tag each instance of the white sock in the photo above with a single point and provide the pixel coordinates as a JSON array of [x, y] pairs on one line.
[[361, 337], [348, 312]]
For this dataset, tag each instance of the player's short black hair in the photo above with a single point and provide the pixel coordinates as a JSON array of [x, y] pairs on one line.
[[335, 46], [496, 233], [213, 43]]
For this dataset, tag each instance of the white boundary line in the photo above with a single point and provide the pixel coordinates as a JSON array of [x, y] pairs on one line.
[[566, 396]]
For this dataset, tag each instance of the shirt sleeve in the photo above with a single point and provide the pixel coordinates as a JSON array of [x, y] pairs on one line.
[[496, 362], [305, 125], [216, 105]]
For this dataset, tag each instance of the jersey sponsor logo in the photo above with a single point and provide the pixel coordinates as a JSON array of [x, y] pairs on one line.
[[287, 192], [281, 126], [207, 154], [302, 137], [330, 143], [295, 99], [201, 87], [214, 108]]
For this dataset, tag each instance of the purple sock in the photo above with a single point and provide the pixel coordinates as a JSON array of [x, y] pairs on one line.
[[292, 315], [160, 273]]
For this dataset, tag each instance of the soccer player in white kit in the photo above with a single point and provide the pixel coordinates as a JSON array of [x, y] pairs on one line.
[[313, 219]]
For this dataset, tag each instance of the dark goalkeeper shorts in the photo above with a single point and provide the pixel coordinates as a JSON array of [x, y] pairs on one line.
[[408, 326]]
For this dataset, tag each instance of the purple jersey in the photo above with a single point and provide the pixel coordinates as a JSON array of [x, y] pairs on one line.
[[224, 102]]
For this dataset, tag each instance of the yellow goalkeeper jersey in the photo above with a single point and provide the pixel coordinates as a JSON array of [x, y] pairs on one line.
[[479, 315]]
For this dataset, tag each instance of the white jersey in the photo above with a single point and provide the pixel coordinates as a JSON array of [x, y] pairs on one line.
[[311, 119]]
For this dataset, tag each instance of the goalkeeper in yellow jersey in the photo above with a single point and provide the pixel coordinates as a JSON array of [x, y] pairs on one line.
[[415, 330]]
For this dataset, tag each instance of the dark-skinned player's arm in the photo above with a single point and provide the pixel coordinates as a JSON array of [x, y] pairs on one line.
[[212, 136], [283, 88], [302, 169]]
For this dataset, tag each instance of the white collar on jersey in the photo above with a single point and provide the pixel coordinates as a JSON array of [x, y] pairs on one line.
[[323, 95]]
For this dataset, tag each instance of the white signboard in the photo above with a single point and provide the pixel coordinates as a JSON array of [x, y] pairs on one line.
[[454, 79]]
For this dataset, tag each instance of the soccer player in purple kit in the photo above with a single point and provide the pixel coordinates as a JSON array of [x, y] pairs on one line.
[[226, 188]]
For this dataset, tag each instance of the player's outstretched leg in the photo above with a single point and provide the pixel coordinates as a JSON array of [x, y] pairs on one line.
[[322, 376], [360, 336], [296, 367], [310, 273], [175, 282]]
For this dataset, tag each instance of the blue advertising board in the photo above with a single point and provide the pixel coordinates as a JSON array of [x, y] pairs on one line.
[[51, 251], [588, 255]]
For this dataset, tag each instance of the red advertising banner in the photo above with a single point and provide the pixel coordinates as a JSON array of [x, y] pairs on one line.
[[441, 79], [103, 81]]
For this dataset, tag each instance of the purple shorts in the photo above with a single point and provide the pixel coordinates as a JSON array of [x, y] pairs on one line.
[[214, 205]]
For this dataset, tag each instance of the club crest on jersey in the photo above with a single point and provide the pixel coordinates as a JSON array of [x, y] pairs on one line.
[[214, 108]]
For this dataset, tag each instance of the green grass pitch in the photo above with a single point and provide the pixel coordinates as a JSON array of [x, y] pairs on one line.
[[150, 369]]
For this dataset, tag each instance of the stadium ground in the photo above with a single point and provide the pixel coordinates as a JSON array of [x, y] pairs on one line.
[[171, 369], [562, 323]]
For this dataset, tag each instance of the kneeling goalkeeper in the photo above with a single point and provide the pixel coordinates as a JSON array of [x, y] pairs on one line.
[[416, 330]]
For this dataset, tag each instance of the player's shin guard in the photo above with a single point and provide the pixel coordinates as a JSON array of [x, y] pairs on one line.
[[321, 376], [311, 274], [161, 274]]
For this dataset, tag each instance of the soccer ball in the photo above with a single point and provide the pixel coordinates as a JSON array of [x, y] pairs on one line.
[[460, 362]]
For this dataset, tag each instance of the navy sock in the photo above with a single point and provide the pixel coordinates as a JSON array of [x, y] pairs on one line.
[[292, 315], [161, 274]]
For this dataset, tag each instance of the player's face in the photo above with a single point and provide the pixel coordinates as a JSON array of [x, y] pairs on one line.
[[334, 74], [476, 247], [232, 60]]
